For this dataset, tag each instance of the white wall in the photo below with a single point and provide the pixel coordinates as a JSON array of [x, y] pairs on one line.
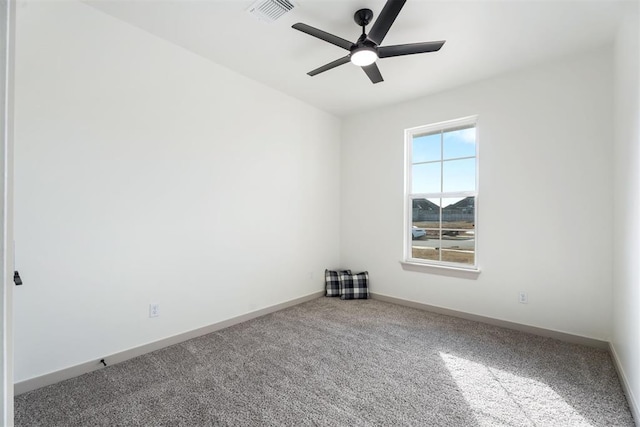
[[545, 216], [7, 62], [145, 173], [626, 261]]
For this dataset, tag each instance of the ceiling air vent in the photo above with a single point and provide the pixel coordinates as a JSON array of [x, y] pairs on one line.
[[270, 10]]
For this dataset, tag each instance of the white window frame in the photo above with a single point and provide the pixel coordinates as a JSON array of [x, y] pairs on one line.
[[409, 196]]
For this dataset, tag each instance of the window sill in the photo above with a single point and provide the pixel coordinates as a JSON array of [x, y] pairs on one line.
[[464, 273]]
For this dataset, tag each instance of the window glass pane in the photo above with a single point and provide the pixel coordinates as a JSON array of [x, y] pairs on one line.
[[426, 213], [459, 213], [426, 178], [458, 246], [425, 231], [426, 148], [459, 175], [458, 230], [460, 256], [425, 252], [459, 143]]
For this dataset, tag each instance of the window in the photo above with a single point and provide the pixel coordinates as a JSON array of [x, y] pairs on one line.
[[441, 194]]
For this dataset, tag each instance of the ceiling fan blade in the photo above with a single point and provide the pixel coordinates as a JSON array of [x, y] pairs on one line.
[[323, 35], [329, 66], [373, 72], [409, 49], [381, 27]]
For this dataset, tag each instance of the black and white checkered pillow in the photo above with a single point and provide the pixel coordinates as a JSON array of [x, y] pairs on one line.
[[354, 286], [332, 282]]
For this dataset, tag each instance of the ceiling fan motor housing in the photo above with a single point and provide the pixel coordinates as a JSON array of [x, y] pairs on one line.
[[364, 42]]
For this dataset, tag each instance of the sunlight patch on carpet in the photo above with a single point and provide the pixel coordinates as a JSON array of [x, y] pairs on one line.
[[501, 398]]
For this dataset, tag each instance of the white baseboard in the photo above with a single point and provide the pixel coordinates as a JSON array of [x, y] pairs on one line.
[[562, 336], [83, 368], [631, 399]]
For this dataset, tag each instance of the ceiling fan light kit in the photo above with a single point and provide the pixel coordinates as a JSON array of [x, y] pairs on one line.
[[363, 56], [367, 50]]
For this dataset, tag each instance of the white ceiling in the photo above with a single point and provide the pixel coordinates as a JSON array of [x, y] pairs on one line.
[[484, 38]]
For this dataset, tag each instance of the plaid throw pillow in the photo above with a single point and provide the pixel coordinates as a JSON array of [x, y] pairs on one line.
[[354, 286], [332, 282]]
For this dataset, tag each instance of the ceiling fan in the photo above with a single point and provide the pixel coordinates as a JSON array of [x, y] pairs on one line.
[[367, 49]]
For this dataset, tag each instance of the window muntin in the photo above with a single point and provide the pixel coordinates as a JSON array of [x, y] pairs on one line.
[[441, 194]]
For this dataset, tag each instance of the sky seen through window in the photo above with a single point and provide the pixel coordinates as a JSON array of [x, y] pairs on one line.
[[441, 163]]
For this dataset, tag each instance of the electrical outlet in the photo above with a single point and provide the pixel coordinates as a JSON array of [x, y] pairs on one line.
[[154, 310], [310, 275], [523, 298]]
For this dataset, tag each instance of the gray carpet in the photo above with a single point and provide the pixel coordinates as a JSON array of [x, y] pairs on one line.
[[345, 363]]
